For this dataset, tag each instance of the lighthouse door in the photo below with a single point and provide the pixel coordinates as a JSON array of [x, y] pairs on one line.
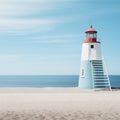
[[92, 52]]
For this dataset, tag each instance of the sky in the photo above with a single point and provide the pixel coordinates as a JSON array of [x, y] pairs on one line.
[[44, 37]]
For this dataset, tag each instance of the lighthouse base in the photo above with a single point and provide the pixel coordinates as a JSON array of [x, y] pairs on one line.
[[93, 75], [85, 79]]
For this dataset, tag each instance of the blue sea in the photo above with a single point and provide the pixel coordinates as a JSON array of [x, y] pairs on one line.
[[49, 81]]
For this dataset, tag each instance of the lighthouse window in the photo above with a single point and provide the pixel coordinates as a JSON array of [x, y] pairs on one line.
[[91, 35], [92, 46], [82, 73]]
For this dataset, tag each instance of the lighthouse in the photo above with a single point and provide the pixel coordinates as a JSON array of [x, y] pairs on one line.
[[93, 73]]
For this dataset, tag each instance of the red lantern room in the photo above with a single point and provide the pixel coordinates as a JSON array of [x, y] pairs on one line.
[[91, 35]]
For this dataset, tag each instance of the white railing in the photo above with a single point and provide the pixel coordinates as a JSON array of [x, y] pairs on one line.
[[105, 69], [92, 74], [103, 66]]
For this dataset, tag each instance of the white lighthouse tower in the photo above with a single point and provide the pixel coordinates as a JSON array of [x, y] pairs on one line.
[[93, 73]]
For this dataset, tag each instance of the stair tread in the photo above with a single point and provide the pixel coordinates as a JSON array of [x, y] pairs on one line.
[[101, 85], [101, 80]]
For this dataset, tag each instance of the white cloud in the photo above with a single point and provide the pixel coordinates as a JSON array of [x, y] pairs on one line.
[[17, 10], [11, 23], [67, 36], [10, 8], [29, 1], [9, 58], [63, 38], [27, 25]]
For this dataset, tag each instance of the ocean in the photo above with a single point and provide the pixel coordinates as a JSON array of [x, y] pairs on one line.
[[38, 81]]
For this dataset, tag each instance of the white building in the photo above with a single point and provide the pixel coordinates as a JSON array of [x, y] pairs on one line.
[[92, 72]]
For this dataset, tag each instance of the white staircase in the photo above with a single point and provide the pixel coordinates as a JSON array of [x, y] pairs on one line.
[[100, 76]]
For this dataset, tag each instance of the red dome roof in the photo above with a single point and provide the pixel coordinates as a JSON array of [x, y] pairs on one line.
[[91, 30]]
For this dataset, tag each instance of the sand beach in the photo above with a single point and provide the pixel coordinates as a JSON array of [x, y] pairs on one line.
[[58, 104]]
